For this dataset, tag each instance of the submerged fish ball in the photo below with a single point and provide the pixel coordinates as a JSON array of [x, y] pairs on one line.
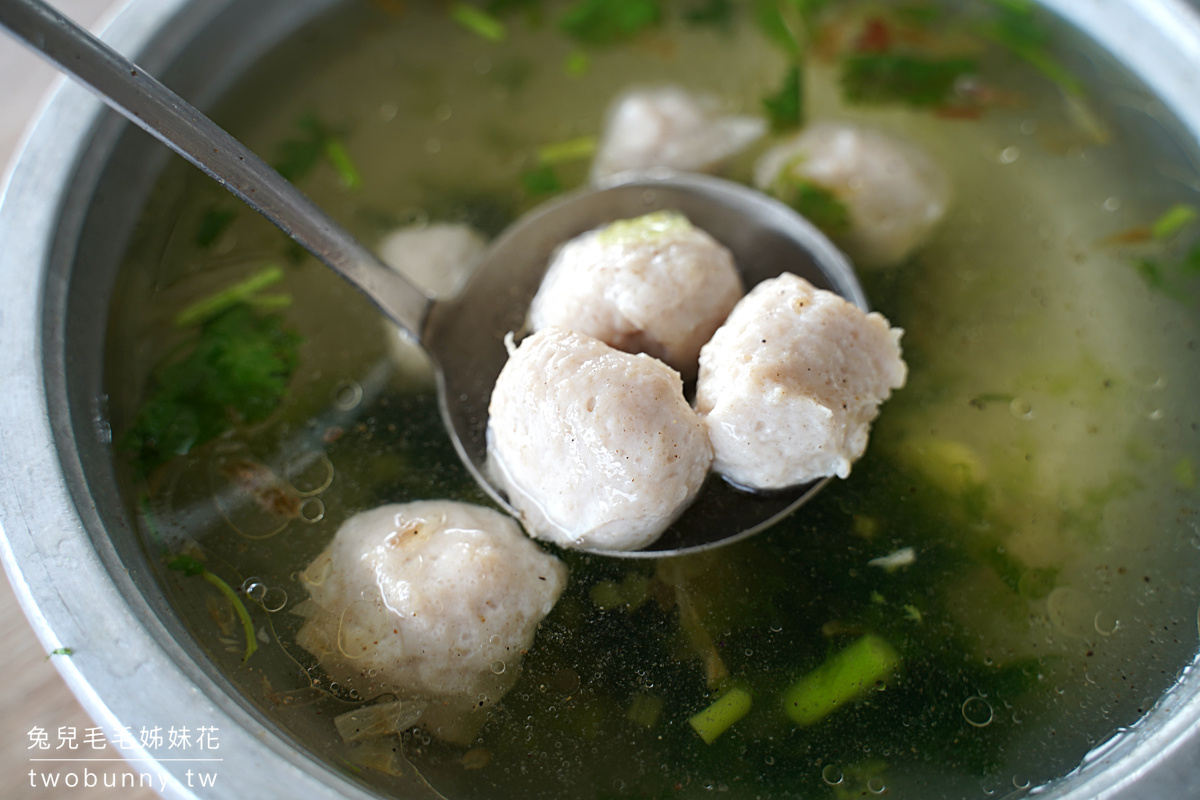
[[790, 383], [437, 257], [422, 599], [655, 284], [893, 192], [668, 127], [596, 448]]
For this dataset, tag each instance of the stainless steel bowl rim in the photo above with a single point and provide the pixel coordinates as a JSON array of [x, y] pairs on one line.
[[126, 672]]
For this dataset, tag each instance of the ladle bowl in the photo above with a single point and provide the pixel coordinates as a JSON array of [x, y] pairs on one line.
[[464, 335]]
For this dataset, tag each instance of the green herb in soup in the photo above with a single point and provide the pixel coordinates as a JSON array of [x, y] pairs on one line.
[[236, 371], [1006, 577]]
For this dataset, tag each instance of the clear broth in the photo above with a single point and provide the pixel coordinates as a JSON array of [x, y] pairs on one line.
[[1040, 461]]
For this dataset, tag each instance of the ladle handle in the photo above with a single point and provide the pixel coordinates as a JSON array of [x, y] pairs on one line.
[[174, 122]]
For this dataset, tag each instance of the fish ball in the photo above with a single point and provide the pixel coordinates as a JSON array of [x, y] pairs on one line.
[[655, 284], [669, 127], [790, 383], [893, 193], [595, 447], [434, 601]]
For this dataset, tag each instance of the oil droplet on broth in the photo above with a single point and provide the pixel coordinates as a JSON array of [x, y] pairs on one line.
[[832, 774], [1021, 409], [977, 712], [254, 588], [1071, 612], [347, 395], [312, 510], [1105, 623], [274, 599], [309, 473]]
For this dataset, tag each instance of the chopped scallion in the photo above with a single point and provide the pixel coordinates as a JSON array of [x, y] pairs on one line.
[[1175, 219], [239, 292], [844, 677], [713, 721], [190, 566], [479, 22]]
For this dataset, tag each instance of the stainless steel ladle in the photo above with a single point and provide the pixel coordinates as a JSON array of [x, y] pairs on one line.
[[464, 336]]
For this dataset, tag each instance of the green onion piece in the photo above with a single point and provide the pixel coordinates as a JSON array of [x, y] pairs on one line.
[[479, 22], [60, 651], [269, 302], [190, 566], [575, 149], [577, 64], [1176, 218], [718, 717], [214, 304], [335, 151], [1185, 473], [841, 679]]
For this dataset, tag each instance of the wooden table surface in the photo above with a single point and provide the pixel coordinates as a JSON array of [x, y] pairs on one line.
[[33, 695]]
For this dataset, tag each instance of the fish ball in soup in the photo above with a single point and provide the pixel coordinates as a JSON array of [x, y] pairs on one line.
[[655, 284], [890, 193], [790, 383], [437, 257], [596, 448], [668, 127], [434, 601]]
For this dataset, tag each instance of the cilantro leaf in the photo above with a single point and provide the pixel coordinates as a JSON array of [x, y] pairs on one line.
[[187, 565], [214, 222], [502, 7], [785, 108], [606, 22], [878, 78], [1019, 28], [237, 371], [298, 157], [1174, 279], [788, 23], [815, 203], [541, 180], [709, 12]]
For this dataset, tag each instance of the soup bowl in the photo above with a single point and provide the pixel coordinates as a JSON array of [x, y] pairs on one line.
[[75, 537]]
